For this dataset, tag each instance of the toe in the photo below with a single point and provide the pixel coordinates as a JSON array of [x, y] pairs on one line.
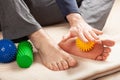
[[104, 58], [108, 42], [50, 66], [105, 54], [65, 64], [99, 58], [55, 66], [60, 66], [107, 50], [72, 62]]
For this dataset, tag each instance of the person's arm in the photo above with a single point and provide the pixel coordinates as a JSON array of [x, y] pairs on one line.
[[78, 26], [67, 6]]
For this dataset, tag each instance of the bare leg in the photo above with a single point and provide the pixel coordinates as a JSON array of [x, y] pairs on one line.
[[1, 35], [52, 56], [99, 52]]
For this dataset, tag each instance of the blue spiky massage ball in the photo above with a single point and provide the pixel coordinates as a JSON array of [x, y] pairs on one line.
[[7, 51]]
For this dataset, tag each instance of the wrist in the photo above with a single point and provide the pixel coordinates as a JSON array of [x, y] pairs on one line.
[[74, 18]]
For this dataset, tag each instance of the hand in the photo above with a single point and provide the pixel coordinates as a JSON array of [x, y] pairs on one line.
[[79, 28]]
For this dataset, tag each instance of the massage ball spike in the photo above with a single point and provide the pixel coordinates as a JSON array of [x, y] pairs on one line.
[[7, 51], [24, 54], [84, 46]]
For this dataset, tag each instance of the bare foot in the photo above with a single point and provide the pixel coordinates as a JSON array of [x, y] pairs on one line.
[[100, 51], [51, 55]]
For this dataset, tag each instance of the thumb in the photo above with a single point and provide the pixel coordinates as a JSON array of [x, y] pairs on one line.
[[66, 37]]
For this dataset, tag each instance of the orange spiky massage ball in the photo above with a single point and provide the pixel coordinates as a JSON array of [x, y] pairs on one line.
[[84, 46]]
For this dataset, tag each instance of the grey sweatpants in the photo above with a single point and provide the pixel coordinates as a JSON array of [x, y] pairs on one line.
[[20, 18]]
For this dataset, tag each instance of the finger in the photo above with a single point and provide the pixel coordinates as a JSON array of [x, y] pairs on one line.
[[97, 31], [82, 37], [94, 35], [88, 36]]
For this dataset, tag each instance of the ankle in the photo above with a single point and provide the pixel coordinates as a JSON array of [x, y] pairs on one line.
[[40, 38], [37, 38]]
